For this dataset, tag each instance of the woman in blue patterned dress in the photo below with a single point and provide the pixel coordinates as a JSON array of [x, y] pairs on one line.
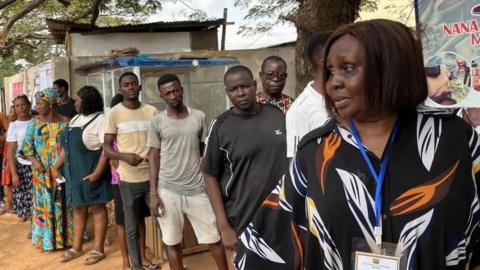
[[52, 220]]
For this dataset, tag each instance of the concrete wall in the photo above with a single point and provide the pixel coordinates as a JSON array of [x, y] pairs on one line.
[[36, 78], [204, 40], [8, 83], [208, 79], [148, 43]]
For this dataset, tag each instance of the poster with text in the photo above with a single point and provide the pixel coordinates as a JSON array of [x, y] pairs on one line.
[[451, 44]]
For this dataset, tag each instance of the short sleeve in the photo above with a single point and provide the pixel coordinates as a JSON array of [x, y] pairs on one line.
[[110, 123], [28, 144], [153, 137], [296, 127], [11, 133], [101, 129], [204, 132], [93, 135], [213, 156], [98, 131]]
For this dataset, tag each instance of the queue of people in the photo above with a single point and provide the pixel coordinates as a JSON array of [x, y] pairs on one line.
[[350, 174]]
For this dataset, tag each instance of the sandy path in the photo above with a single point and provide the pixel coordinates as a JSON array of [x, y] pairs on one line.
[[17, 252]]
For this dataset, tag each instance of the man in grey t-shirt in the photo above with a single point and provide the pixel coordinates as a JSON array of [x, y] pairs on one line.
[[175, 137]]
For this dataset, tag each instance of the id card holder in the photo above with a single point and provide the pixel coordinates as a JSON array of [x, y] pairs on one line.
[[369, 256]]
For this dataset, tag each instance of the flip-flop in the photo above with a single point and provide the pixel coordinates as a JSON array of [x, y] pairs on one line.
[[5, 211], [70, 255], [150, 266], [93, 257]]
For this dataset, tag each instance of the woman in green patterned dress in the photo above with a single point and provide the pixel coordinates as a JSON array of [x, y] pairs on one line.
[[52, 220]]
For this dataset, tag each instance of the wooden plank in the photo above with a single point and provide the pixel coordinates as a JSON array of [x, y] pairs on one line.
[[154, 239]]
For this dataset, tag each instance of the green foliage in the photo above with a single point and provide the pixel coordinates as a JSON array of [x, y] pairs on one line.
[[8, 66], [264, 14], [28, 42]]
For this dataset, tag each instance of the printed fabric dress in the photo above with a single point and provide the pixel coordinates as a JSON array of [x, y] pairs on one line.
[[52, 220], [430, 201], [283, 103]]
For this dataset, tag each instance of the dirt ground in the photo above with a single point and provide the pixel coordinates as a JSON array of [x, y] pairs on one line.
[[18, 253]]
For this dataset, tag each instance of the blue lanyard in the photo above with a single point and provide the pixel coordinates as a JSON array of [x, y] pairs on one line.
[[378, 177]]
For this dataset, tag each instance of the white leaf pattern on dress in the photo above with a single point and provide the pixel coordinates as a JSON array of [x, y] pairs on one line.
[[409, 236], [298, 179], [346, 135], [252, 241], [332, 260], [460, 252], [282, 198], [241, 264], [361, 205], [429, 130], [474, 145]]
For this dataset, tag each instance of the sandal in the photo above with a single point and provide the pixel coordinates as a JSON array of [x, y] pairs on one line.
[[150, 266], [108, 241], [70, 255], [93, 257], [5, 211]]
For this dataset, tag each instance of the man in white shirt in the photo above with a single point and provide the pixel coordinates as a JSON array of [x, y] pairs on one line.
[[308, 111]]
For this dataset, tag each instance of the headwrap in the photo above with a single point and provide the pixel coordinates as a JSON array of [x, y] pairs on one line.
[[49, 95]]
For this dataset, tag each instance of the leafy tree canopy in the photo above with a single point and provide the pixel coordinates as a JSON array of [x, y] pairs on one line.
[[24, 38]]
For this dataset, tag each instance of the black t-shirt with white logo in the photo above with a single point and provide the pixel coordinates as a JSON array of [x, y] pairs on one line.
[[247, 154]]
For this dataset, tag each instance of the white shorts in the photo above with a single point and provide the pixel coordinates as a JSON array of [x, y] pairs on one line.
[[199, 212]]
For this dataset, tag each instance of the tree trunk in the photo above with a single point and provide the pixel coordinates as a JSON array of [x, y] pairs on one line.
[[315, 16]]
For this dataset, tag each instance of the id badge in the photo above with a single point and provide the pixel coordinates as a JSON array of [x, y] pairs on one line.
[[369, 256], [370, 261]]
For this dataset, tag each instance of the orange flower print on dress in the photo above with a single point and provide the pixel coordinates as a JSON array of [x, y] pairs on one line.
[[324, 156], [425, 195]]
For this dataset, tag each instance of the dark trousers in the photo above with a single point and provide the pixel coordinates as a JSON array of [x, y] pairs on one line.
[[135, 197]]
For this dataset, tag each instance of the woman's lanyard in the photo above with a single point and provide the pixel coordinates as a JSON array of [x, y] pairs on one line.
[[378, 177]]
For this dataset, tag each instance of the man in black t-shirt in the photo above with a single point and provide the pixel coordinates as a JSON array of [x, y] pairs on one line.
[[245, 156], [67, 106]]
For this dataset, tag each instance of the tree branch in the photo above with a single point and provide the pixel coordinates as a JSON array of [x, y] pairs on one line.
[[8, 25], [5, 3], [20, 42], [81, 16], [289, 18], [35, 36], [65, 3], [16, 41], [95, 12]]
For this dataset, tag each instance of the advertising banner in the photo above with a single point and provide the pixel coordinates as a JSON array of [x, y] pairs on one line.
[[451, 41]]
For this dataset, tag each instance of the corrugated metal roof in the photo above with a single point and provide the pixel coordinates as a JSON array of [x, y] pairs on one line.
[[58, 28]]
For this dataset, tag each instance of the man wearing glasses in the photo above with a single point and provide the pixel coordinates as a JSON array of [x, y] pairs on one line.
[[273, 76]]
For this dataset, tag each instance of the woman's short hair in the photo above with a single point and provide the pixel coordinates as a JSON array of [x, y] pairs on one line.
[[92, 101], [394, 73], [22, 97]]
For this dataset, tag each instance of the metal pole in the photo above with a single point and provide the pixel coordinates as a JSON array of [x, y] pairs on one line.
[[224, 28]]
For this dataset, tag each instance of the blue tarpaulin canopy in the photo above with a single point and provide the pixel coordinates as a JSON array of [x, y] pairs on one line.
[[139, 61]]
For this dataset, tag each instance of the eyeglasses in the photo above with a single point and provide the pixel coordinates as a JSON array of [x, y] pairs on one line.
[[273, 75]]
